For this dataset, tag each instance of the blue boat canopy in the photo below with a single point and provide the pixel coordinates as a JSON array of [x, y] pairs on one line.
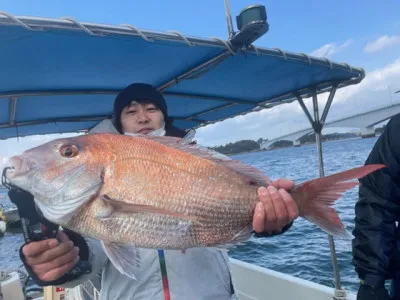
[[60, 75]]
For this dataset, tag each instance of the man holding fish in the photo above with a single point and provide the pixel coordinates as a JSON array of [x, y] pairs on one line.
[[196, 273], [157, 211]]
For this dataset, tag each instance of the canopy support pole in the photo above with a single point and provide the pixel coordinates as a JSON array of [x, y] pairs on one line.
[[13, 106], [317, 124], [193, 70], [229, 18]]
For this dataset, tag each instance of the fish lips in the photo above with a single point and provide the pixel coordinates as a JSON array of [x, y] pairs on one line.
[[20, 166]]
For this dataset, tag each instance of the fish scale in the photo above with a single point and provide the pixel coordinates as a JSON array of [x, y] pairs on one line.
[[196, 204], [195, 191], [143, 228]]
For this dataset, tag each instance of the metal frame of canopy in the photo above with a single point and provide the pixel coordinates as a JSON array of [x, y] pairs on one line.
[[194, 70]]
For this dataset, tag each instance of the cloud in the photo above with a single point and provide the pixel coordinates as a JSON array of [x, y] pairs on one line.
[[383, 81], [382, 43], [330, 49], [15, 146], [376, 90]]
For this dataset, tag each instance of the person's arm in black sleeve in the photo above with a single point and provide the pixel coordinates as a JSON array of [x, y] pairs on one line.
[[376, 212]]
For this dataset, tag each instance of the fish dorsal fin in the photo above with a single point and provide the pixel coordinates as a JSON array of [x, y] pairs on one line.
[[190, 135], [253, 174]]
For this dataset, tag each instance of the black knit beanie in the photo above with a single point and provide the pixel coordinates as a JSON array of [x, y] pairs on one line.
[[138, 92]]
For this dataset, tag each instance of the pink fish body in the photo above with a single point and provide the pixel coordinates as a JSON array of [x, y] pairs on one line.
[[160, 192]]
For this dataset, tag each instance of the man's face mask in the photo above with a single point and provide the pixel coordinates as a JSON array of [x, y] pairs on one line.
[[157, 132]]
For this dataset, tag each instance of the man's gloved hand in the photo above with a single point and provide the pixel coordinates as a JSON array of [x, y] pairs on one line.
[[53, 262], [366, 292]]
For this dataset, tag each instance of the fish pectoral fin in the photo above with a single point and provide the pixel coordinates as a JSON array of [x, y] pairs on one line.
[[107, 209], [125, 258], [112, 206]]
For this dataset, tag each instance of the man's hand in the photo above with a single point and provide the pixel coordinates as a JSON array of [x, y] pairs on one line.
[[50, 259], [276, 208]]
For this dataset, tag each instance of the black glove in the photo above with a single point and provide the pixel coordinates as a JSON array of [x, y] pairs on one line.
[[268, 234], [30, 216], [83, 266], [367, 292]]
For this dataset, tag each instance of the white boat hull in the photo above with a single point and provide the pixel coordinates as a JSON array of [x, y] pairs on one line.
[[10, 287], [251, 283], [255, 283]]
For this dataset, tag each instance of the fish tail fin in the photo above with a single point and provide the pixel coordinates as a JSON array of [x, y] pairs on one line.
[[316, 197]]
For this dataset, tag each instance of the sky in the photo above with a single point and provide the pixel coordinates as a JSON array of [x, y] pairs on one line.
[[363, 33]]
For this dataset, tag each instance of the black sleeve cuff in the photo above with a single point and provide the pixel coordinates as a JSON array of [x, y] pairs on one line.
[[373, 281], [82, 267], [270, 234]]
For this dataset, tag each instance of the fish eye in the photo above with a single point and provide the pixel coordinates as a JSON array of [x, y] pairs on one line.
[[69, 151]]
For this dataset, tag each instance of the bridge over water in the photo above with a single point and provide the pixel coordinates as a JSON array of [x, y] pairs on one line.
[[365, 121]]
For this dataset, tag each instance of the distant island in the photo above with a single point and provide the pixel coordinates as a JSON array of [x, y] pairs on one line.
[[244, 146], [310, 139]]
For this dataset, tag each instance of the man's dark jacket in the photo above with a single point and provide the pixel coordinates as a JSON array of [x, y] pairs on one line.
[[375, 247]]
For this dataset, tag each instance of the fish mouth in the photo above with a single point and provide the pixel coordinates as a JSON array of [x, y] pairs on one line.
[[20, 166]]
